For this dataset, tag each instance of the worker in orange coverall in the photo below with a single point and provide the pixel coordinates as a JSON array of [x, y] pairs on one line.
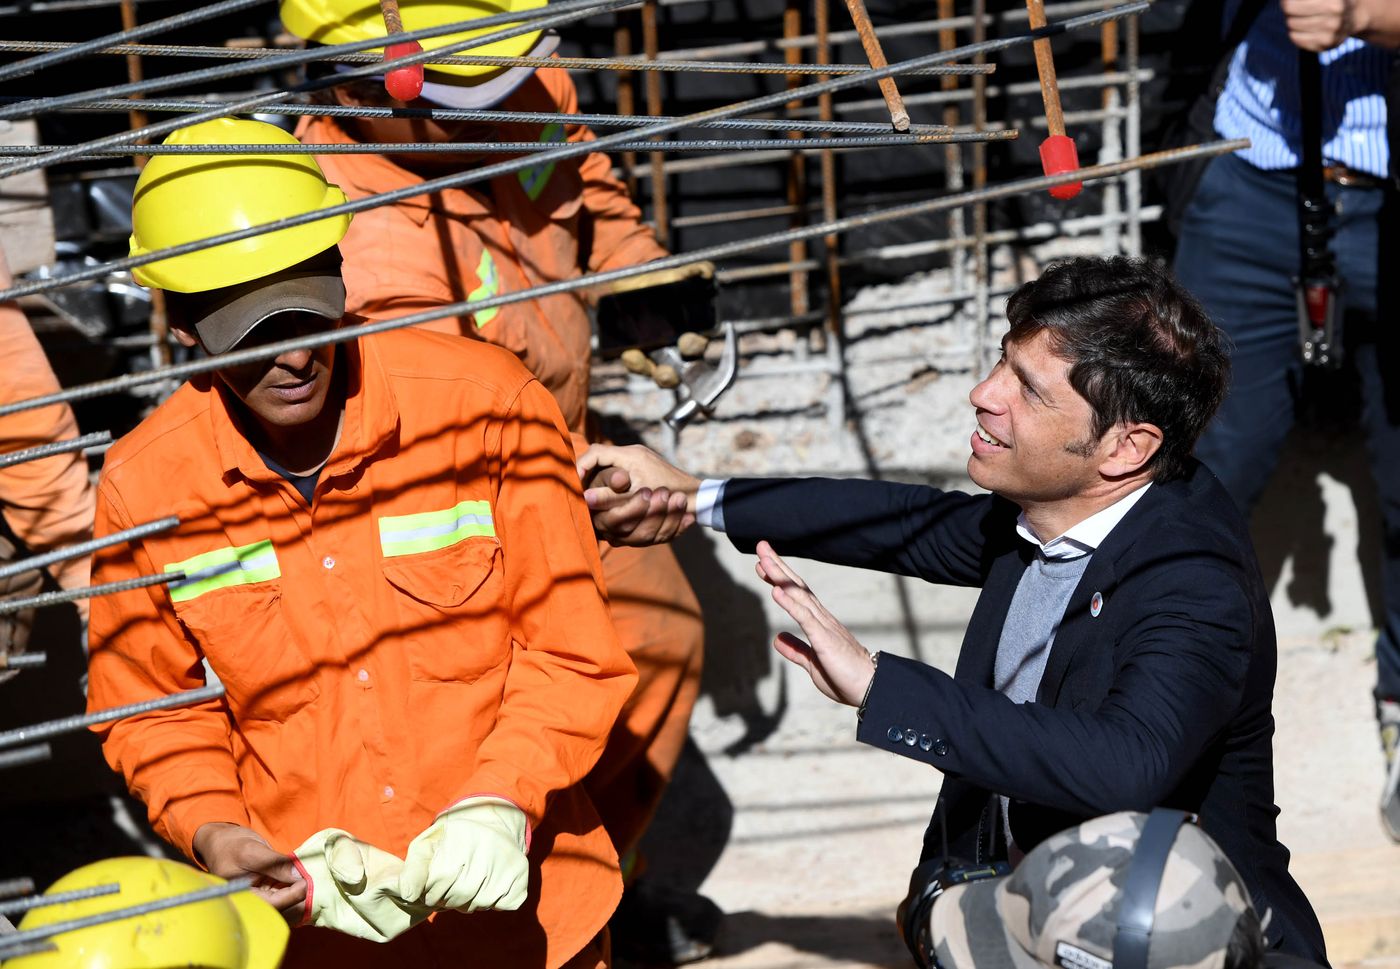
[[46, 503], [386, 559], [548, 222]]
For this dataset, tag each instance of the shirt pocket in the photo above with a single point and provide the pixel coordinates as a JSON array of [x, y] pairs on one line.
[[251, 650], [453, 618]]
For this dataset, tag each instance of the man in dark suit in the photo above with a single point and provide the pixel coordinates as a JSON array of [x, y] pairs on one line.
[[1122, 653]]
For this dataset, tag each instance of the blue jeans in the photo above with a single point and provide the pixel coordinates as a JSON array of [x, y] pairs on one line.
[[1238, 253]]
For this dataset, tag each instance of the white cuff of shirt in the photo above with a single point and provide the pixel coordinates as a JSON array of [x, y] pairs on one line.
[[709, 503]]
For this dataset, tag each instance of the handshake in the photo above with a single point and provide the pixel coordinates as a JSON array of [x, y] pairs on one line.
[[471, 858]]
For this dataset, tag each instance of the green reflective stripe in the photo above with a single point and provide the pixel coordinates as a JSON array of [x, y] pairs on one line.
[[431, 530], [223, 568], [534, 179], [490, 286]]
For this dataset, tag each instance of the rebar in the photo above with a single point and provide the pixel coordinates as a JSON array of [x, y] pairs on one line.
[[524, 21], [58, 6], [23, 757], [58, 898], [11, 887], [630, 63], [487, 172], [269, 351], [23, 661], [503, 117], [12, 458], [44, 932], [45, 599], [54, 728], [86, 548], [73, 51], [516, 147]]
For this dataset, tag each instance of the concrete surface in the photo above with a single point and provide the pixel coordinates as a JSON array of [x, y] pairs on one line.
[[805, 838]]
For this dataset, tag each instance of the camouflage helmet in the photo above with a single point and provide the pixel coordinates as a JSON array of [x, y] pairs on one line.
[[1059, 908]]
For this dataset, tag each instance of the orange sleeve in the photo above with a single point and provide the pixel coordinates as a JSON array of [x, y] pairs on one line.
[[569, 675], [48, 503], [178, 762], [619, 237]]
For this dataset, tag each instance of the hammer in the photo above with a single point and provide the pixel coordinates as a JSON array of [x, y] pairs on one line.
[[1057, 152]]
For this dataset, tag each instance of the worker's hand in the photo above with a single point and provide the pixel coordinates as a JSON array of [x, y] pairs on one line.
[[837, 663], [354, 887], [232, 851], [471, 858], [1319, 25], [636, 497]]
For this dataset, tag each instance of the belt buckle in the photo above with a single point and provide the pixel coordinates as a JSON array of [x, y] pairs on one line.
[[1339, 174]]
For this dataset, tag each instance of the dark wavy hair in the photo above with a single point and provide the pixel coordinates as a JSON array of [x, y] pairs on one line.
[[1140, 348]]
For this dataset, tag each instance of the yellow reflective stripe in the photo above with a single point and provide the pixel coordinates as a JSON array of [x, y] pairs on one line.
[[223, 568], [431, 530], [534, 179], [490, 286]]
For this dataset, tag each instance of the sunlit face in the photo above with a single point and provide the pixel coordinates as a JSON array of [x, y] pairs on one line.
[[1033, 440], [289, 390]]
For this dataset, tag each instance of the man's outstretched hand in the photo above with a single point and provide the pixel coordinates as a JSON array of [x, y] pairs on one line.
[[635, 496], [837, 663]]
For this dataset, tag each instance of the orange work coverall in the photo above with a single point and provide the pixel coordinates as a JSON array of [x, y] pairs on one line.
[[46, 503], [432, 627], [546, 223]]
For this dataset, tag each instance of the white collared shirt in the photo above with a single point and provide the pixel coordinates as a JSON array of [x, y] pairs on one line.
[[1083, 538]]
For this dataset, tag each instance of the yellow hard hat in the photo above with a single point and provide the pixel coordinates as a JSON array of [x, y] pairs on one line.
[[237, 931], [181, 198], [344, 21]]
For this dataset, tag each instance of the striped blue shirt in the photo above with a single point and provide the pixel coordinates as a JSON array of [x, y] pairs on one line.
[[1261, 101]]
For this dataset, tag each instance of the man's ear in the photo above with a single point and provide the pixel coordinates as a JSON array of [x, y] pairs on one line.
[[1131, 446]]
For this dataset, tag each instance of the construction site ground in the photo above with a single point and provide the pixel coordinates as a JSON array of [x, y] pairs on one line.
[[806, 838]]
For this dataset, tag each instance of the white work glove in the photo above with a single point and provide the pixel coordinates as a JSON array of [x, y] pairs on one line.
[[471, 858], [353, 887]]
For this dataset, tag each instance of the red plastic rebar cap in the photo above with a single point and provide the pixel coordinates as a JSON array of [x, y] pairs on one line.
[[1058, 155], [403, 83]]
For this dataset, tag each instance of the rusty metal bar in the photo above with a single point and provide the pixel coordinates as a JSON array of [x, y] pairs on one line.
[[58, 898], [660, 212], [36, 562], [22, 757], [982, 269], [798, 295], [12, 887], [11, 458], [17, 940], [627, 63], [129, 31], [626, 97], [874, 53], [830, 210], [776, 145], [237, 357], [54, 728], [44, 599], [759, 123]]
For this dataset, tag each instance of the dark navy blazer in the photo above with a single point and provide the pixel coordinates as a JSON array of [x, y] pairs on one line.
[[1160, 696]]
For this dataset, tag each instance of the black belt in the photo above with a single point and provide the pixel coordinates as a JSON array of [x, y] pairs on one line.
[[1339, 174]]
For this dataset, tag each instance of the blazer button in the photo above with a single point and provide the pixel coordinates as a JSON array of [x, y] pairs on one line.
[[940, 748], [925, 742], [895, 735], [911, 736]]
